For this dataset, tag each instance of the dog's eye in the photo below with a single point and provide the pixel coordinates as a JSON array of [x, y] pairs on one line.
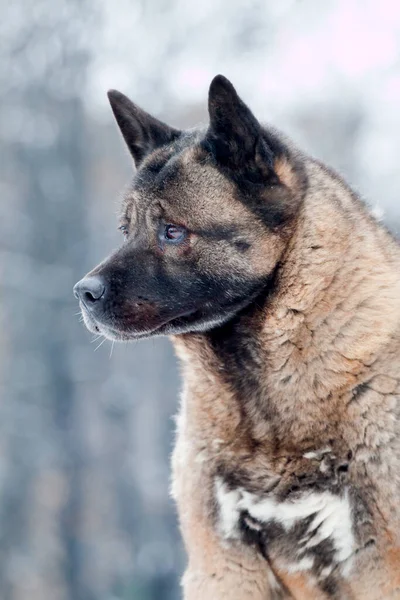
[[174, 233], [124, 229]]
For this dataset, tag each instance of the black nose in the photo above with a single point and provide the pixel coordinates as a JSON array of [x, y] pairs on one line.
[[90, 290]]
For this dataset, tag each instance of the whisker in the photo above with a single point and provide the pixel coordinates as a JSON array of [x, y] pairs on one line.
[[101, 343], [96, 337], [112, 348]]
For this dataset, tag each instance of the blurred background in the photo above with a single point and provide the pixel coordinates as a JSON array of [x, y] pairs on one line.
[[86, 430]]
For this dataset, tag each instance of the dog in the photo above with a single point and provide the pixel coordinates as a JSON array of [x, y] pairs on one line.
[[281, 294]]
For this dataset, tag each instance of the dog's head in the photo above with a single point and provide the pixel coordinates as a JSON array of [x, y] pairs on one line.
[[205, 221]]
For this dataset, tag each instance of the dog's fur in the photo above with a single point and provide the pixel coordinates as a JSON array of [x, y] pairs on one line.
[[282, 297]]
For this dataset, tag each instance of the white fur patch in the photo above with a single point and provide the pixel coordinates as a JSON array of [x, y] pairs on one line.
[[326, 572], [333, 521], [228, 501], [317, 453], [303, 564], [331, 518], [273, 582]]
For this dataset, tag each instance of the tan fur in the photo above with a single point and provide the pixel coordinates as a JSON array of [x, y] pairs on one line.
[[333, 325], [285, 172]]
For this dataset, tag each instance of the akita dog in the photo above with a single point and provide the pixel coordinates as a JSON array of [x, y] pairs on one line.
[[281, 294]]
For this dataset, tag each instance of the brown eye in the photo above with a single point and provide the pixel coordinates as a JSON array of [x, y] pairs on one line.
[[174, 233]]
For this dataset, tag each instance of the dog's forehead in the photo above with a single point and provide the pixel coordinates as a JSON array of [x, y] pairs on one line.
[[162, 158], [182, 177]]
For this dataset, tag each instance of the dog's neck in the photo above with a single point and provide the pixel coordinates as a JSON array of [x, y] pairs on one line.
[[290, 357]]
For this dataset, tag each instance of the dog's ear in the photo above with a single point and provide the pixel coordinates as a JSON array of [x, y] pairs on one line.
[[142, 132], [235, 136]]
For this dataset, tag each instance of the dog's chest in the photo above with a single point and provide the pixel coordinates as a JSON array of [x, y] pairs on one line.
[[311, 531]]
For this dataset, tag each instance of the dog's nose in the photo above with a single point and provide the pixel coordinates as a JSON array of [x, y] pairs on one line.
[[90, 290]]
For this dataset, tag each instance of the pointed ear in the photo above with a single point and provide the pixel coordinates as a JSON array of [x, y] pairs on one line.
[[234, 134], [142, 132]]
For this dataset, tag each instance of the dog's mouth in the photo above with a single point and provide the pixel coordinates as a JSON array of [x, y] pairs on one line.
[[116, 330]]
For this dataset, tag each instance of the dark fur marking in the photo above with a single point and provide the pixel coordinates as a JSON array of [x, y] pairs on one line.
[[359, 390], [242, 246], [233, 344], [343, 468], [256, 538], [330, 587], [218, 232], [226, 233]]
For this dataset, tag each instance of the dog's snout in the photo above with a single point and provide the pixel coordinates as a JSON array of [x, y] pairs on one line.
[[90, 290]]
